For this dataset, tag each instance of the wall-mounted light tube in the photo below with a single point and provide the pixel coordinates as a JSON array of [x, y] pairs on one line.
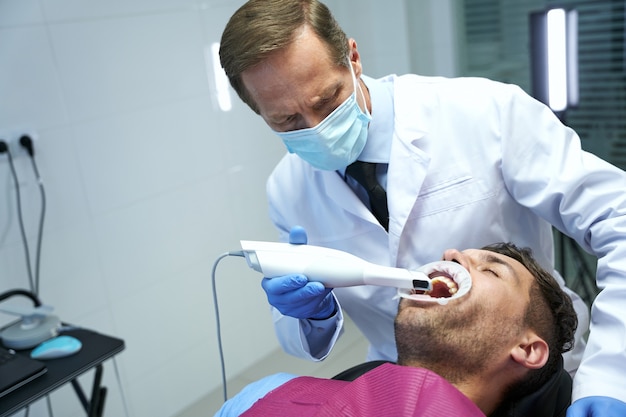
[[220, 80], [554, 57], [572, 58], [557, 59]]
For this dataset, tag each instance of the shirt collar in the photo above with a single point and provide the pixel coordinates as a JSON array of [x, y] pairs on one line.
[[380, 130]]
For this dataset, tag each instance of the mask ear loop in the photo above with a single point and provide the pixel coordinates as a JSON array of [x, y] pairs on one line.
[[356, 84]]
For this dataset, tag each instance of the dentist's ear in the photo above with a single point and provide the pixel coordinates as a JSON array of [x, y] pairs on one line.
[[532, 352], [355, 58]]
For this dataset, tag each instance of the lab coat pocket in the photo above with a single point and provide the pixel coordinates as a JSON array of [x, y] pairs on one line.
[[450, 194]]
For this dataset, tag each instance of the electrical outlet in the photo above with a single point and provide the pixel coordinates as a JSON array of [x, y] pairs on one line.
[[12, 138]]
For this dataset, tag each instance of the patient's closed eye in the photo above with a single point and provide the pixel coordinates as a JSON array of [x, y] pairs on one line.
[[490, 271]]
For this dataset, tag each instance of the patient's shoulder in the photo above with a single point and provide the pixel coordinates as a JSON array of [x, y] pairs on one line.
[[251, 393]]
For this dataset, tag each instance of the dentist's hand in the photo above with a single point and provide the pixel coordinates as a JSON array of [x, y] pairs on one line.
[[293, 295], [597, 407]]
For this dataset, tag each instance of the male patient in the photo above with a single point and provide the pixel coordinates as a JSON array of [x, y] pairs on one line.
[[479, 353]]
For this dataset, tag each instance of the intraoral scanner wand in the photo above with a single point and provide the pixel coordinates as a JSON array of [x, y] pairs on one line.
[[331, 267]]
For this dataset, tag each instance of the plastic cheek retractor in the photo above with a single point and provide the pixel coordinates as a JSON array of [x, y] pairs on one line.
[[449, 269]]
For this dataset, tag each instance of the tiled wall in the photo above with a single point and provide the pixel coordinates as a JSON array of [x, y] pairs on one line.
[[147, 182]]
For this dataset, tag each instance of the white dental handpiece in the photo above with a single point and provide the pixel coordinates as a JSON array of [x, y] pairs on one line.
[[331, 267]]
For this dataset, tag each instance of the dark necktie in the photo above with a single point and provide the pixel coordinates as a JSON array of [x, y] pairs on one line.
[[365, 174]]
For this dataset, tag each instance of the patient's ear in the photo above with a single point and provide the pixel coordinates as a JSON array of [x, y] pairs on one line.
[[532, 352]]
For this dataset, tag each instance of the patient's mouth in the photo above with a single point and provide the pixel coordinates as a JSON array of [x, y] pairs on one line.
[[448, 281], [443, 286]]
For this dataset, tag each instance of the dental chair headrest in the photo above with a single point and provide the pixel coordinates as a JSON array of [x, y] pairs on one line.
[[551, 400]]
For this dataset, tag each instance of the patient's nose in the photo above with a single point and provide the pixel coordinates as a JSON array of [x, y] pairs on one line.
[[454, 255]]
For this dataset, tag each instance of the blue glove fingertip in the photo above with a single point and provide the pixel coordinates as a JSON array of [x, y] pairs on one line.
[[316, 287], [300, 279], [597, 406], [297, 236], [283, 284]]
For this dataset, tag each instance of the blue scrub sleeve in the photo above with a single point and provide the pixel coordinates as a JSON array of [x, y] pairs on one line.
[[251, 393], [320, 335]]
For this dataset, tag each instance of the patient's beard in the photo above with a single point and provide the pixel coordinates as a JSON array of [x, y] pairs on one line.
[[456, 344]]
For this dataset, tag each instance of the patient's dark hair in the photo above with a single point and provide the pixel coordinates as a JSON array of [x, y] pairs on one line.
[[550, 313]]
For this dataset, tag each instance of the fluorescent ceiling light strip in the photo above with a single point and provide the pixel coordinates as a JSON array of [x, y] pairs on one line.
[[557, 60]]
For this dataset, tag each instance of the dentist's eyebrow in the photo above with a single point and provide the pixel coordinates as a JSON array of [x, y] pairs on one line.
[[330, 93]]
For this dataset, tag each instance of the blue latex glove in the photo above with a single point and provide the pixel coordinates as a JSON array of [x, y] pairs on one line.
[[597, 407], [293, 295]]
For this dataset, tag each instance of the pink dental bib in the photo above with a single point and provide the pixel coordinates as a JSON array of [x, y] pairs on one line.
[[388, 390]]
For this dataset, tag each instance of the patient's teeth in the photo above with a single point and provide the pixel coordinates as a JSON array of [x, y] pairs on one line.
[[443, 286]]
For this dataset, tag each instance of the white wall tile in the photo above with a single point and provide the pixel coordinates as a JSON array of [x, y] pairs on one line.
[[179, 332], [379, 29], [246, 139], [132, 156], [59, 168], [150, 240], [31, 95], [62, 10], [177, 387], [214, 16], [13, 274], [115, 65], [71, 274], [20, 12], [433, 55], [9, 222]]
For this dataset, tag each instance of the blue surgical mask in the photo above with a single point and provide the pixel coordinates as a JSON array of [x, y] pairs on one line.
[[336, 141]]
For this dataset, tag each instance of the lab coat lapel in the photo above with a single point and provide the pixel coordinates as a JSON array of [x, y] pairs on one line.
[[339, 191], [406, 173], [408, 163]]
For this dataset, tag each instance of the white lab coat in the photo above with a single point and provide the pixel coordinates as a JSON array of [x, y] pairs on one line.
[[472, 162]]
